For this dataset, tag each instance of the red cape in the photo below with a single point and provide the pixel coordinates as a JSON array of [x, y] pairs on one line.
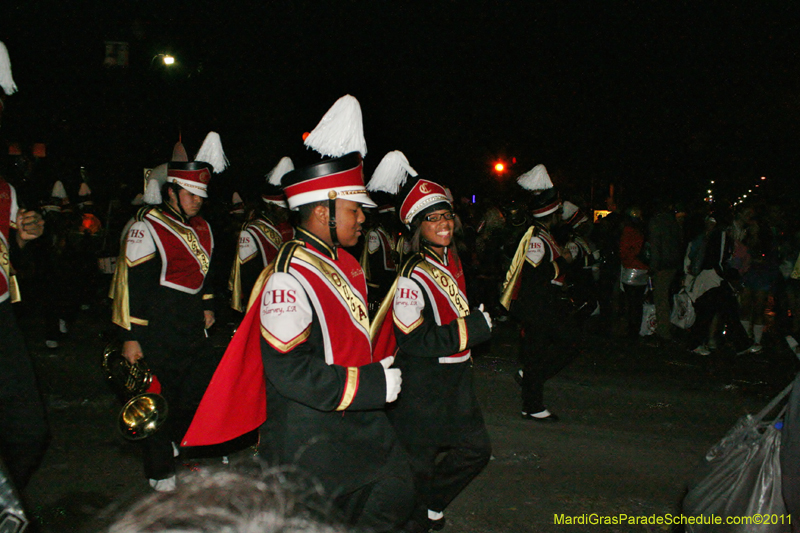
[[235, 401]]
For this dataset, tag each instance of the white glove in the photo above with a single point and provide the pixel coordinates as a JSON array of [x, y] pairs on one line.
[[486, 316], [393, 379]]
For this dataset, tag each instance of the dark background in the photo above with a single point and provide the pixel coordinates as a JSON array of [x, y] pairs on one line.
[[657, 98]]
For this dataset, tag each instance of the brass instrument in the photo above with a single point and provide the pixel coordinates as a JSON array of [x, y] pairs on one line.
[[144, 412]]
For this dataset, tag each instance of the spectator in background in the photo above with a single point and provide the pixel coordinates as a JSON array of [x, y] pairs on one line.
[[711, 291], [634, 272], [666, 253]]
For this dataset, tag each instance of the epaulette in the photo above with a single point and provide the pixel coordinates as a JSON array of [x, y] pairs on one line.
[[285, 254], [411, 263], [142, 212]]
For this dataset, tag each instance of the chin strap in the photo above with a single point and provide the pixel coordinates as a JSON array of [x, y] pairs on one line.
[[177, 189], [332, 217]]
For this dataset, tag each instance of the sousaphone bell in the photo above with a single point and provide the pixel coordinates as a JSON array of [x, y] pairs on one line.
[[145, 410]]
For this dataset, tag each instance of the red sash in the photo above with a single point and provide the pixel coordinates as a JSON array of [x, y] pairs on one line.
[[446, 285], [268, 237], [185, 250], [338, 291]]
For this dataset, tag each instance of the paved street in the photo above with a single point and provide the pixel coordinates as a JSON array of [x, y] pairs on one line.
[[635, 421]]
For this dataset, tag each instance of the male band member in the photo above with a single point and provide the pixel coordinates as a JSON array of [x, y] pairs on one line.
[[24, 432], [162, 302], [437, 418], [533, 293], [260, 238], [378, 256], [324, 393]]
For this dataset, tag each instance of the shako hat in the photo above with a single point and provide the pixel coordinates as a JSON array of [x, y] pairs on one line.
[[194, 176], [340, 136], [272, 192], [545, 195], [416, 196]]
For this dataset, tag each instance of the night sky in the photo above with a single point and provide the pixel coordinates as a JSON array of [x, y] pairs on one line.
[[653, 97]]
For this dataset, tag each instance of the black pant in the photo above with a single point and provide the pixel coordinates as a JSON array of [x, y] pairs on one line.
[[384, 505], [24, 431], [442, 472], [184, 374], [634, 305], [547, 347]]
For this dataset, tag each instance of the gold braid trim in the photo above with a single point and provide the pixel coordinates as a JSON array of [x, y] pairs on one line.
[[512, 276], [383, 311], [350, 387], [121, 309], [463, 337]]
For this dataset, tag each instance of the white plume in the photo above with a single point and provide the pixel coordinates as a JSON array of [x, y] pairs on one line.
[[391, 174], [536, 179], [179, 153], [6, 79], [159, 174], [211, 152], [568, 209], [340, 131], [58, 190], [152, 195], [284, 166]]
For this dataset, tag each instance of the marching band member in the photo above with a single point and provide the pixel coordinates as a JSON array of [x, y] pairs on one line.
[[303, 352], [24, 431], [434, 330], [533, 293], [162, 299], [261, 237]]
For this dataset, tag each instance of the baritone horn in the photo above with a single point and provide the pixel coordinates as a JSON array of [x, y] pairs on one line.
[[144, 411]]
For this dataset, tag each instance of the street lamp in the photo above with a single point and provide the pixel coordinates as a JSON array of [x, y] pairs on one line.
[[165, 58]]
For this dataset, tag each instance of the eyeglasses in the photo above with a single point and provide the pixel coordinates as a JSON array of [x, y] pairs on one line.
[[436, 217]]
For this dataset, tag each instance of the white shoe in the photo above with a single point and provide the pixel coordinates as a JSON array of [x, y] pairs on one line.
[[164, 485], [755, 348], [62, 325], [702, 350], [51, 344]]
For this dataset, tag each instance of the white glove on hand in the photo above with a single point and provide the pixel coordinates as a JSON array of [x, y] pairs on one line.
[[393, 379], [486, 316]]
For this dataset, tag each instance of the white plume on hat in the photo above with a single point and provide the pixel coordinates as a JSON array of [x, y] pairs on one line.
[[284, 166], [179, 152], [236, 199], [84, 190], [58, 190], [211, 152], [152, 195], [6, 79], [568, 209], [340, 131], [536, 179], [391, 173]]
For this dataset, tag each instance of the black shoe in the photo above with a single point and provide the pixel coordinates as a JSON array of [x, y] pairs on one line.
[[542, 419]]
